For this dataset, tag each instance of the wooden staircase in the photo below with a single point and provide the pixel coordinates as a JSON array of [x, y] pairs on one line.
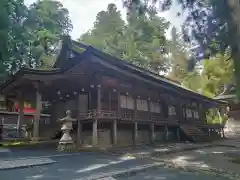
[[194, 133]]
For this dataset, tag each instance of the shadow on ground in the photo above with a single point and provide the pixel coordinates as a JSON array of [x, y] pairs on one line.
[[85, 164]]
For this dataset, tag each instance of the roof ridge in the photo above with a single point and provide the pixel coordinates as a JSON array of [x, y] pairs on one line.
[[125, 62]]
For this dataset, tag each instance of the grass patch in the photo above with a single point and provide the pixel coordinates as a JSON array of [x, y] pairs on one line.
[[18, 143]]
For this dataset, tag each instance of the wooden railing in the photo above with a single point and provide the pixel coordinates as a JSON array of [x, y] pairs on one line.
[[124, 116], [164, 120], [127, 117], [92, 114]]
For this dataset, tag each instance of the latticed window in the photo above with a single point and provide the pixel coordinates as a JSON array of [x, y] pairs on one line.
[[126, 102], [189, 113], [142, 105], [196, 115], [155, 107], [171, 110]]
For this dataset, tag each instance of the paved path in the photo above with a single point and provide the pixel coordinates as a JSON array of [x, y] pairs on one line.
[[74, 167], [85, 164]]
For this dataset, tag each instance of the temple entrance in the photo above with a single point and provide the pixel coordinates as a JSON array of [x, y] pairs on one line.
[[83, 103]]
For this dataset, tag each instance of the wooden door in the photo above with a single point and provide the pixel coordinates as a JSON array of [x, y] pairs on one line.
[[83, 103]]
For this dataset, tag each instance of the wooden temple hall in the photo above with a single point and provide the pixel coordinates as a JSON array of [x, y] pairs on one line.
[[114, 102]]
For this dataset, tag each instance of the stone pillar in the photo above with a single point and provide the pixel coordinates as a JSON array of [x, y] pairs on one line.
[[20, 113], [37, 115], [166, 132], [152, 132], [135, 133], [95, 133], [178, 134], [115, 132]]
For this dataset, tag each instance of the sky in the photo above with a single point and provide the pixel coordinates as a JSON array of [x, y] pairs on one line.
[[83, 13]]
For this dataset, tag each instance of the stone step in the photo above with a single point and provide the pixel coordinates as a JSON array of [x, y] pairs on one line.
[[4, 150], [194, 133]]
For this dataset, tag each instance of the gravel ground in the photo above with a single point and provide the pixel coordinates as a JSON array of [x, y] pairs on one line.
[[170, 174], [217, 160]]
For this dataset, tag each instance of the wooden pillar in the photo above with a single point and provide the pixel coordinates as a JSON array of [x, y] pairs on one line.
[[149, 110], [20, 113], [135, 132], [114, 132], [119, 102], [37, 115], [135, 108], [79, 125], [152, 132], [1, 129], [95, 121], [110, 100], [223, 134], [166, 132], [99, 104], [95, 133], [79, 133]]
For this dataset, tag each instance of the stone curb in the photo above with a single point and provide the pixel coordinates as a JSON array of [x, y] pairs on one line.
[[12, 164], [123, 173], [49, 156]]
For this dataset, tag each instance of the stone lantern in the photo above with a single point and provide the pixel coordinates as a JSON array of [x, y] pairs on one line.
[[66, 143]]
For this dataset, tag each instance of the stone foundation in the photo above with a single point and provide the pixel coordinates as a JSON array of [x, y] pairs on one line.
[[124, 137], [104, 138], [159, 136], [144, 137], [86, 137]]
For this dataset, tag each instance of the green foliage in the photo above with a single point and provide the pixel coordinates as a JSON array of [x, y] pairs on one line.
[[12, 14], [216, 73], [213, 24], [47, 22], [178, 57], [30, 36], [213, 117], [141, 41]]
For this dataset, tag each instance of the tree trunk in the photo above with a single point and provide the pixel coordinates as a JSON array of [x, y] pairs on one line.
[[234, 33]]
